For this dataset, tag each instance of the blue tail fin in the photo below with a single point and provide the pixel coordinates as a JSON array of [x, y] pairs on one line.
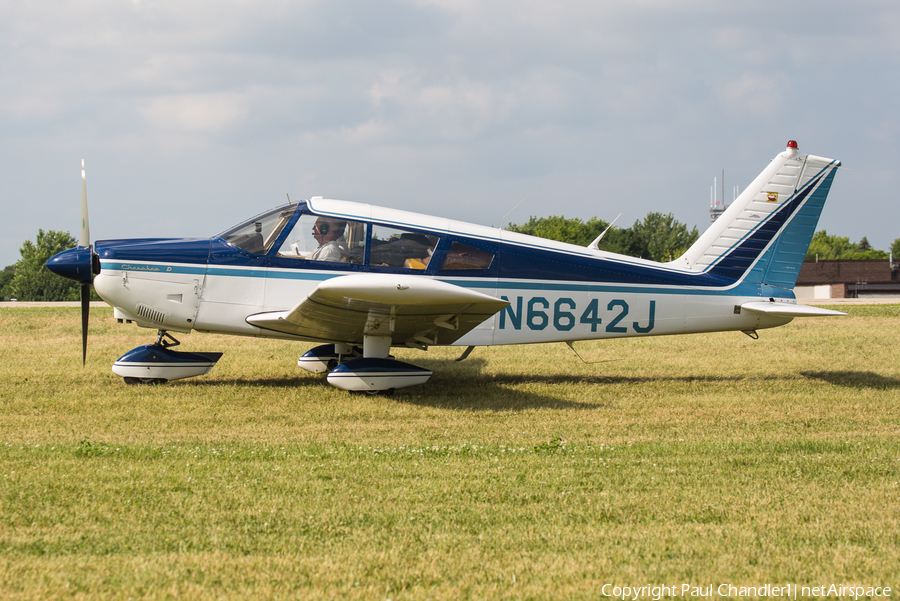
[[763, 236]]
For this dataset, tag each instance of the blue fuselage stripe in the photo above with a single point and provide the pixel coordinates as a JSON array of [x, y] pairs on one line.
[[742, 289]]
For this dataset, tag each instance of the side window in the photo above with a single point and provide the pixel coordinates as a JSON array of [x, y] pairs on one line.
[[463, 256], [394, 247], [319, 238]]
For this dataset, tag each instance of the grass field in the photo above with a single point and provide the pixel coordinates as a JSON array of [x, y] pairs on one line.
[[519, 473]]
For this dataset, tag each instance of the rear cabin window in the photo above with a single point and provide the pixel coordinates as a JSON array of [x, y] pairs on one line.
[[393, 247], [463, 256]]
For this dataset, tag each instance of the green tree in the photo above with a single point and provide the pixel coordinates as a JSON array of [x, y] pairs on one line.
[[864, 250], [863, 245], [825, 246], [869, 254], [557, 227], [6, 277], [662, 237], [658, 237], [895, 248], [32, 280]]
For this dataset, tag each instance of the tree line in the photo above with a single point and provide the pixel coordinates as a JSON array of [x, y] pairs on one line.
[[825, 246], [662, 238], [658, 237]]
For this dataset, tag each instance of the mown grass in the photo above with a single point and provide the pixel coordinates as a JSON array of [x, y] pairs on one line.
[[518, 473]]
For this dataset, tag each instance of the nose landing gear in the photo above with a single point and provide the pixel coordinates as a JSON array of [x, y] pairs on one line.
[[157, 364]]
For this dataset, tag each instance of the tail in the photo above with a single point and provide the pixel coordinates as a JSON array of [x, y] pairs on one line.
[[762, 238]]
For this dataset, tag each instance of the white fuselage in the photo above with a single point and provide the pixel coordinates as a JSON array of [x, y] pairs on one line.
[[156, 295]]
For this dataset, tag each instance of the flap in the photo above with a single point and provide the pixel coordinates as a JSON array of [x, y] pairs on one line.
[[414, 310]]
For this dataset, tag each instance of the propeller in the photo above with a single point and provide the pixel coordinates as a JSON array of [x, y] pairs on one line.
[[80, 264], [84, 240]]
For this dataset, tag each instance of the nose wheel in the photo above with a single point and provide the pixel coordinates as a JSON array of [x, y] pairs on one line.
[[144, 381], [157, 363]]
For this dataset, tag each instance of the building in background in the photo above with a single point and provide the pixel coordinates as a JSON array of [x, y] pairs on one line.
[[869, 278]]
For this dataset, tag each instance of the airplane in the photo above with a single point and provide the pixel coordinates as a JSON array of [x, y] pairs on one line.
[[359, 280]]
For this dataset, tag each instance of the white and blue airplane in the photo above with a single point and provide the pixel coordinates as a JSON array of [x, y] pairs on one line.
[[359, 280]]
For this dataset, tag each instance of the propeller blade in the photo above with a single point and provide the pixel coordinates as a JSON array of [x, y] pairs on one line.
[[85, 311], [85, 238], [85, 241]]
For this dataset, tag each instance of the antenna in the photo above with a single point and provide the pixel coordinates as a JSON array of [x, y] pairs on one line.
[[288, 197], [516, 207], [595, 245]]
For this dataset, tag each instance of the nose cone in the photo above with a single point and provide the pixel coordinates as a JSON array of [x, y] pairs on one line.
[[73, 264]]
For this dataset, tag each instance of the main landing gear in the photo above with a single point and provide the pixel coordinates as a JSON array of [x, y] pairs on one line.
[[368, 369]]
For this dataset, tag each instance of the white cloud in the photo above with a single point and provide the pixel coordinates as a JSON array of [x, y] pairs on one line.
[[761, 95], [195, 113], [442, 99], [368, 133]]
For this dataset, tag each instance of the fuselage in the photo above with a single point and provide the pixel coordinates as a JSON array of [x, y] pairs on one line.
[[555, 291]]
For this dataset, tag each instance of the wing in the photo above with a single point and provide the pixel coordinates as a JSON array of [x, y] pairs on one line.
[[413, 310]]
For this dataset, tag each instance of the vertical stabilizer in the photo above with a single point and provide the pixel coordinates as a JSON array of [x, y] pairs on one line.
[[763, 236]]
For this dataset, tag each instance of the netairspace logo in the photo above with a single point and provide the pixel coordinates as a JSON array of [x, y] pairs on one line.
[[788, 591]]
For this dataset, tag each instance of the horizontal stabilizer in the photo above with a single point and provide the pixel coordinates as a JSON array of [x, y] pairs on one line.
[[788, 309]]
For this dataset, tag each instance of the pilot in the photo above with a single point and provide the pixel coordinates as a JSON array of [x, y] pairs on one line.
[[329, 233]]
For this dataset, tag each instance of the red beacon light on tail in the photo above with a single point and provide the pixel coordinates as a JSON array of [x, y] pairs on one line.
[[791, 150]]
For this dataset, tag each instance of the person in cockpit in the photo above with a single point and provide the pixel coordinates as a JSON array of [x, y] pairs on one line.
[[329, 233]]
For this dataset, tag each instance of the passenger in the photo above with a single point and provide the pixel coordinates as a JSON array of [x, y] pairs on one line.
[[329, 233]]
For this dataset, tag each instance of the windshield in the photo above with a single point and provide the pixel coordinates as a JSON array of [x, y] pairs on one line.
[[258, 234]]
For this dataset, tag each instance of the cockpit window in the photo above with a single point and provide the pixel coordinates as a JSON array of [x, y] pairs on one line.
[[258, 234], [322, 238]]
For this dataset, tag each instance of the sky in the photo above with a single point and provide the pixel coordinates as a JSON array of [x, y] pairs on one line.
[[193, 116]]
